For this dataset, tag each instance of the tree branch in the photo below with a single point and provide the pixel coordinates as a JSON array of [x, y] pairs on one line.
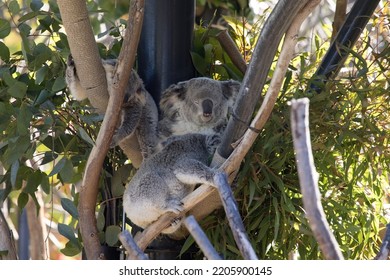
[[255, 77], [131, 247], [232, 51], [90, 185], [85, 52], [384, 251], [234, 218], [308, 179], [339, 17], [7, 243], [201, 238]]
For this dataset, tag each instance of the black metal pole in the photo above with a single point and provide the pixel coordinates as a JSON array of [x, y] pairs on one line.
[[166, 40], [346, 38], [164, 59]]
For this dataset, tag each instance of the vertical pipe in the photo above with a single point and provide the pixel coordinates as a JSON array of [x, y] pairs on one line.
[[164, 48]]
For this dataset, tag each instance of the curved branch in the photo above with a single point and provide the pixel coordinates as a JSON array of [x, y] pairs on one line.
[[90, 185]]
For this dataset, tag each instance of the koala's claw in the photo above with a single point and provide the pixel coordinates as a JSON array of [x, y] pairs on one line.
[[175, 206], [176, 221]]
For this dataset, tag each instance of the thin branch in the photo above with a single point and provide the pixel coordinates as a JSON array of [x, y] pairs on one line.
[[256, 75], [339, 17], [384, 251], [202, 200], [131, 247], [201, 238], [308, 179], [232, 51], [90, 185], [234, 218]]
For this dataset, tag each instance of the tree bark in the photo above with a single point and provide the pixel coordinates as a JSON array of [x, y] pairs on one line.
[[339, 17], [39, 247], [7, 243], [85, 52], [308, 180]]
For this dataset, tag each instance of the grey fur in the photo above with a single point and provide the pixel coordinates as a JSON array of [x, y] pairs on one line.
[[166, 177], [138, 108], [198, 105]]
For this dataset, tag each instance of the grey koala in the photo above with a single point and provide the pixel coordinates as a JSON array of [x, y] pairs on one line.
[[198, 105], [169, 175], [139, 115]]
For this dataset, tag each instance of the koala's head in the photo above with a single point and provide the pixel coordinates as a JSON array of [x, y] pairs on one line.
[[202, 101]]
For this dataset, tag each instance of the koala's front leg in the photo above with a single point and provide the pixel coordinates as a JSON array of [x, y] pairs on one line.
[[130, 118], [192, 172], [72, 80]]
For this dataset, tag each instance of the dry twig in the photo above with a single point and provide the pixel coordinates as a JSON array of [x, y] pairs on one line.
[[308, 179], [201, 238], [134, 252]]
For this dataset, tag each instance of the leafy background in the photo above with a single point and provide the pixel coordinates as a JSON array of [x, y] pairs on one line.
[[46, 136]]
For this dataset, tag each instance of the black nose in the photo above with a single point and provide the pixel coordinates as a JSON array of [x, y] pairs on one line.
[[207, 106]]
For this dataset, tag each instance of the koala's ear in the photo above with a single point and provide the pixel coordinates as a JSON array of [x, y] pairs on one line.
[[172, 98], [230, 89]]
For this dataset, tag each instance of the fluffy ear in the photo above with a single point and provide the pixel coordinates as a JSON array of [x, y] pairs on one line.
[[173, 98], [230, 89]]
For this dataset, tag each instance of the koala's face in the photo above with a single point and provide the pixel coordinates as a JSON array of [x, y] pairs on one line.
[[201, 101], [204, 102]]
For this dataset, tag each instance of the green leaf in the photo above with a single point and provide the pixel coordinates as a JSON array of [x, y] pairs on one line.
[[5, 28], [36, 5], [58, 167], [22, 200], [33, 182], [59, 84], [66, 172], [14, 172], [69, 207], [14, 7], [24, 118], [41, 74], [200, 63], [187, 244], [4, 52], [18, 89], [71, 249], [112, 235], [84, 135], [43, 96], [68, 232]]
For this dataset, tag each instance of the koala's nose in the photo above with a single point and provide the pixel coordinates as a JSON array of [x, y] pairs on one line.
[[207, 106]]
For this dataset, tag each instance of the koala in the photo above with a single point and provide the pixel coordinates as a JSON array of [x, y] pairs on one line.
[[169, 175], [139, 114], [198, 105]]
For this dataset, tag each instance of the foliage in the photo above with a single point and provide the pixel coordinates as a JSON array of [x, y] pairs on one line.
[[349, 123], [46, 136]]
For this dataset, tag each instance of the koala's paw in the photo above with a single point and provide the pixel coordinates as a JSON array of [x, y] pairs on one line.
[[175, 206], [212, 142]]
